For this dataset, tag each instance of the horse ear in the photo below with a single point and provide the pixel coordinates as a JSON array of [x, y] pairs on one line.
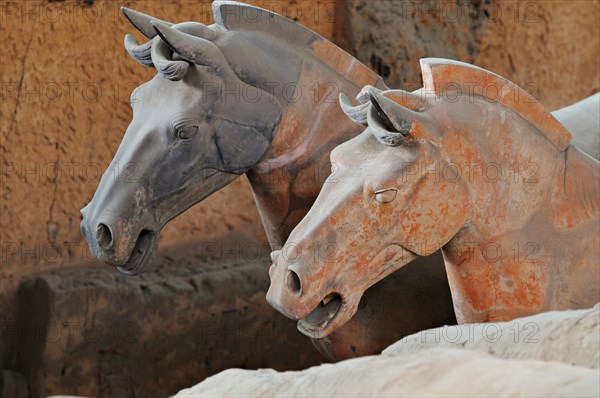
[[198, 29], [142, 53], [395, 114], [389, 121], [358, 114], [191, 48], [142, 22]]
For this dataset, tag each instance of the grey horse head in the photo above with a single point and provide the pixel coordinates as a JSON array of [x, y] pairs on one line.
[[189, 137]]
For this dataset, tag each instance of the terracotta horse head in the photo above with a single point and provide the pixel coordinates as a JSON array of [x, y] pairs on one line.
[[471, 164], [245, 94]]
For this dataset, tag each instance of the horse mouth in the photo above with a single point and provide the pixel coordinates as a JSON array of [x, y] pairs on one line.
[[142, 254], [318, 321]]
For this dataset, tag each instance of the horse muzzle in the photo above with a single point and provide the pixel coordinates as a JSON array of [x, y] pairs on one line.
[[130, 257]]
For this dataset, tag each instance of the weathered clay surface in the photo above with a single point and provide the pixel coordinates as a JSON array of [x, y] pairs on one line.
[[570, 337], [430, 370], [417, 180]]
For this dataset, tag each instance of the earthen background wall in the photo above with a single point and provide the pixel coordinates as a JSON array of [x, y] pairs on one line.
[[66, 80], [549, 47]]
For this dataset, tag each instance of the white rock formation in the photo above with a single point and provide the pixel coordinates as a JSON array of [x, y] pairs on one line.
[[572, 337], [484, 360]]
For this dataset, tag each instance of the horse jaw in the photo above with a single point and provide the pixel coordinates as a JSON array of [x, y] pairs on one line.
[[143, 254]]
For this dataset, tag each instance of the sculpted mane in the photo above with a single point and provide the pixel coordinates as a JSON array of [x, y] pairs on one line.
[[238, 16], [442, 75], [232, 15]]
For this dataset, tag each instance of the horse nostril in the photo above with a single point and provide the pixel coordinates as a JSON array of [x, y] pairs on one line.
[[292, 281], [103, 236]]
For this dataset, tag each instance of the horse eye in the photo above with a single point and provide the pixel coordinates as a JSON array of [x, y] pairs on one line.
[[386, 195], [187, 133]]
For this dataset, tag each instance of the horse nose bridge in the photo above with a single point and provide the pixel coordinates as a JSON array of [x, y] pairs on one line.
[[328, 213], [135, 154], [110, 203], [120, 191], [311, 242]]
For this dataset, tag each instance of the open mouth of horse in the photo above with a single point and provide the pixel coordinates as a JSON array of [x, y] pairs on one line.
[[322, 316], [142, 254], [335, 310]]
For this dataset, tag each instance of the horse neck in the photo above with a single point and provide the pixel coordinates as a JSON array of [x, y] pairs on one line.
[[510, 168], [289, 177], [512, 270], [517, 179]]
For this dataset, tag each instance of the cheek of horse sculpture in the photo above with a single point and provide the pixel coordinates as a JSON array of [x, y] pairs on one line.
[[492, 181]]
